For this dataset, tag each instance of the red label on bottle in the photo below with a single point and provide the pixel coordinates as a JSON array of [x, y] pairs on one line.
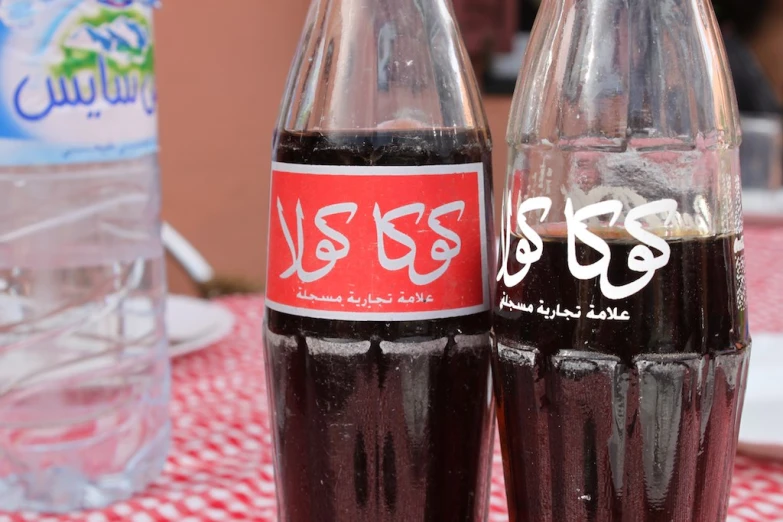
[[378, 243]]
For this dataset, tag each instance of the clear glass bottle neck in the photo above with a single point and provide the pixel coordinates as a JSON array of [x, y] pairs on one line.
[[613, 72], [365, 64]]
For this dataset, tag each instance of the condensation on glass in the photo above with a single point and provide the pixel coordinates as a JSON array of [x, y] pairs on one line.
[[620, 310]]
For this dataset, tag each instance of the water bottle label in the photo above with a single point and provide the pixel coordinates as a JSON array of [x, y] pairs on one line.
[[378, 243], [76, 81]]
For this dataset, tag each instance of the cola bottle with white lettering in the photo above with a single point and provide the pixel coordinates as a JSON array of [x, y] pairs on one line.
[[378, 308], [620, 317]]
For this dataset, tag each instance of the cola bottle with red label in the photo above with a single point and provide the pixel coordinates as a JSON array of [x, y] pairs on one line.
[[378, 298], [620, 316]]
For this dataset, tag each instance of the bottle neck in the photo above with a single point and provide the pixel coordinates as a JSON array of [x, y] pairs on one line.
[[373, 63], [625, 73]]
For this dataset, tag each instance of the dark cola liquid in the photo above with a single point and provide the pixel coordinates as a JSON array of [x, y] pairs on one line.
[[629, 417], [381, 421]]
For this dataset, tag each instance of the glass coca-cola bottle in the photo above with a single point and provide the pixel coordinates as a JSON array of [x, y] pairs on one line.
[[620, 314], [378, 298]]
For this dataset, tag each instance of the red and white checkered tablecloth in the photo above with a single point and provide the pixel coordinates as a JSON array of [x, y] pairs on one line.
[[220, 467]]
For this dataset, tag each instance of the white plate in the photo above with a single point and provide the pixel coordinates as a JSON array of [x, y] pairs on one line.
[[762, 206], [193, 324], [761, 431]]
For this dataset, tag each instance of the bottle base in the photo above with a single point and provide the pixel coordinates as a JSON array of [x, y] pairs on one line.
[[63, 489]]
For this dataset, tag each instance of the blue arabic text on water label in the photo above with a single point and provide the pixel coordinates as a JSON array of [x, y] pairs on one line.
[[76, 81]]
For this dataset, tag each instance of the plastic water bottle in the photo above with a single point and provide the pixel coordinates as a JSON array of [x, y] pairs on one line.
[[84, 374]]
